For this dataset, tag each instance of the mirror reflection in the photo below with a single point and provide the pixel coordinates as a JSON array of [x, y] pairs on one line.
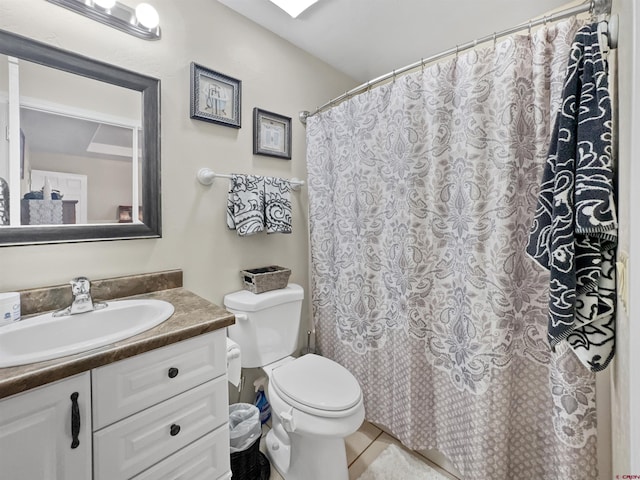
[[80, 159], [80, 148]]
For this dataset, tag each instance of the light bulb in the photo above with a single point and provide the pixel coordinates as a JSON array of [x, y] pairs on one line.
[[147, 16], [106, 4]]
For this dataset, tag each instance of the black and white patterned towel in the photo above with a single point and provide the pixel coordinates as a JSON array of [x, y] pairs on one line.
[[245, 204], [574, 233], [257, 203], [277, 205]]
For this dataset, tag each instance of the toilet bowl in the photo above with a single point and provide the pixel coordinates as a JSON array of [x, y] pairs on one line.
[[315, 402]]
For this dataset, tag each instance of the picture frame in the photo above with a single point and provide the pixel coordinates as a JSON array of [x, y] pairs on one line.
[[125, 213], [215, 97], [271, 134]]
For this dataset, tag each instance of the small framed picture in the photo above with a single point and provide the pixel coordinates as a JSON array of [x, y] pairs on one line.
[[215, 97], [271, 134]]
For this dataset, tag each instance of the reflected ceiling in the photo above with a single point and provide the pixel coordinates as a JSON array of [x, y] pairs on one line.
[[48, 132]]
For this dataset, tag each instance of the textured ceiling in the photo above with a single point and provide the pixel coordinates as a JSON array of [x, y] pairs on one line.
[[368, 38]]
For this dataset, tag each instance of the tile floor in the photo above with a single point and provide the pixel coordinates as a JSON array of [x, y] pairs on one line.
[[363, 447]]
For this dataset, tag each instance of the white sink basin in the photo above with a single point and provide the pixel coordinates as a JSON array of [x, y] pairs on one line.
[[45, 337]]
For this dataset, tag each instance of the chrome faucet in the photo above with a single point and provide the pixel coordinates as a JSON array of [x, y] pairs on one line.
[[81, 301]]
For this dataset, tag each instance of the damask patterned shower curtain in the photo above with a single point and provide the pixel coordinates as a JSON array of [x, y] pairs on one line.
[[422, 192]]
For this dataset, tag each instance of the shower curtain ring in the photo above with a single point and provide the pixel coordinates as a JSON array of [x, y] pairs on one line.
[[394, 76], [545, 19], [529, 28], [474, 51], [422, 64], [495, 39], [457, 51]]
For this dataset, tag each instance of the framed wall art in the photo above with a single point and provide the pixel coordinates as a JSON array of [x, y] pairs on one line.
[[271, 134], [215, 97], [125, 213]]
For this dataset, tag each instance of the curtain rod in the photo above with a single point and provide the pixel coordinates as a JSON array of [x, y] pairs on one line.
[[597, 7]]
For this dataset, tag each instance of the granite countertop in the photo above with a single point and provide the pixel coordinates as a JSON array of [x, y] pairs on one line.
[[193, 316]]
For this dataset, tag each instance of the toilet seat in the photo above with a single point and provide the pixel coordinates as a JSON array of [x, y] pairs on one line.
[[317, 385]]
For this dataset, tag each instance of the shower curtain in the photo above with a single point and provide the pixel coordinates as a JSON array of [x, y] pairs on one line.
[[422, 192]]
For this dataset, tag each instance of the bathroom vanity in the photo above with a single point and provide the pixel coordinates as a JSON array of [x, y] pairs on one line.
[[148, 407], [151, 407]]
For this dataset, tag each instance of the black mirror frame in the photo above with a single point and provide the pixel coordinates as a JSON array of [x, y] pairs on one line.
[[27, 49]]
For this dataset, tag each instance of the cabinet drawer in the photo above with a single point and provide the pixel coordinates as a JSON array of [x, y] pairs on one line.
[[129, 386], [206, 459], [128, 447]]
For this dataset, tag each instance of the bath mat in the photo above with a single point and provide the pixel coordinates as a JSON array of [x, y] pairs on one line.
[[396, 464]]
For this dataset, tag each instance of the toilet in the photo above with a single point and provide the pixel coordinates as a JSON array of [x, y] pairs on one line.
[[315, 402]]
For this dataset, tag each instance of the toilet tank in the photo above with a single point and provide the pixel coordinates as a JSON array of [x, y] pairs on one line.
[[267, 324]]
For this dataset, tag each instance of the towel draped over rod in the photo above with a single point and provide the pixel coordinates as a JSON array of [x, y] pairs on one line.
[[206, 176]]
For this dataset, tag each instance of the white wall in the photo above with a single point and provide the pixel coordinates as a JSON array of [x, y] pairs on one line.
[[78, 93], [275, 76]]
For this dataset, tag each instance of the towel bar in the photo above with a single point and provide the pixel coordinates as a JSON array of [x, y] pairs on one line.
[[206, 176]]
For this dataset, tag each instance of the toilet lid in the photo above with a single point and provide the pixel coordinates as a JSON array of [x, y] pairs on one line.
[[317, 382]]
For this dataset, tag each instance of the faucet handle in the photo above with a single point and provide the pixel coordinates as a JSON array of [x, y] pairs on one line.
[[80, 286]]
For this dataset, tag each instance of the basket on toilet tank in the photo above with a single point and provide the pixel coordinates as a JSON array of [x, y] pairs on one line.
[[264, 279]]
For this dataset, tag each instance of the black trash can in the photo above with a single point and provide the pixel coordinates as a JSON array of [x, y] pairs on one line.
[[245, 430]]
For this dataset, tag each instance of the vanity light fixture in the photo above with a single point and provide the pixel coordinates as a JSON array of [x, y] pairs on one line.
[[294, 7], [106, 4], [141, 22]]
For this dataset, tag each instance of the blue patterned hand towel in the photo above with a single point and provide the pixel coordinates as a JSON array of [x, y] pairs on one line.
[[277, 203], [574, 232], [245, 204]]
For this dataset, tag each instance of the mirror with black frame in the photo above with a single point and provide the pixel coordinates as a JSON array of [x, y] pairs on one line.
[[81, 159]]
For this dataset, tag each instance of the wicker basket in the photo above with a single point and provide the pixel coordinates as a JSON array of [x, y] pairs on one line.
[[264, 279], [250, 464]]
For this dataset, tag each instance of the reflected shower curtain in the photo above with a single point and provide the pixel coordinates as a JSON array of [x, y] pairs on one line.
[[422, 192]]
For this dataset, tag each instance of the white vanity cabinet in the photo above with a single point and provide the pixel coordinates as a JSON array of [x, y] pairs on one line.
[[37, 438], [160, 415], [164, 413]]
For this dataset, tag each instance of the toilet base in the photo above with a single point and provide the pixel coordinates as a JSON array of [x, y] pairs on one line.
[[312, 446], [307, 457]]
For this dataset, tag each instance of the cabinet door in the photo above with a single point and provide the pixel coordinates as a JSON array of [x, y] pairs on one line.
[[36, 432]]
